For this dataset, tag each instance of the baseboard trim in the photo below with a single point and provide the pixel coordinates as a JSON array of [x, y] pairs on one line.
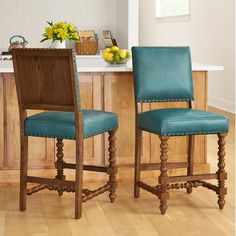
[[222, 104], [230, 115]]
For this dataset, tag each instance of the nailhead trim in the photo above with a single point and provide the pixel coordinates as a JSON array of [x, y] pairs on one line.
[[189, 133], [77, 87], [167, 100], [68, 137]]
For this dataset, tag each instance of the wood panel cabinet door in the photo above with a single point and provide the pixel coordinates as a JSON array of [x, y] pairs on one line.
[[1, 123], [91, 98], [119, 98], [41, 150]]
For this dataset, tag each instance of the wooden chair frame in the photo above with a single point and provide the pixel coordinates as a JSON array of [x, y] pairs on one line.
[[46, 102], [176, 182]]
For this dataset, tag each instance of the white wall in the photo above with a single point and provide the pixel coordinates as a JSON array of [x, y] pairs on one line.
[[122, 21], [127, 23], [210, 34], [28, 17]]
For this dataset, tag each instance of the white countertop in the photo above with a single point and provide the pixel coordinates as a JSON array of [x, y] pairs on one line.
[[97, 64]]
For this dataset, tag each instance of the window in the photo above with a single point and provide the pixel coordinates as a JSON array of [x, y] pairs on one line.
[[172, 8]]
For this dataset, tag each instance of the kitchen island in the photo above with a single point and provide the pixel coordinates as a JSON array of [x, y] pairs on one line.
[[103, 87]]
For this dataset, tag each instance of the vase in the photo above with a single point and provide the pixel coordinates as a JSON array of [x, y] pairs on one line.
[[58, 44]]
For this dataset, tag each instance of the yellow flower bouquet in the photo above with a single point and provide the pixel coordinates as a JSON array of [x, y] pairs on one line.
[[60, 31]]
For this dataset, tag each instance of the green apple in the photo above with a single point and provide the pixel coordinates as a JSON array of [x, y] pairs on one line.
[[107, 50], [128, 55], [122, 53], [110, 57], [114, 48], [116, 57], [105, 54]]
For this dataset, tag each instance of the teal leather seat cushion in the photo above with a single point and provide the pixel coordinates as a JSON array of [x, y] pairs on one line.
[[182, 121], [55, 124]]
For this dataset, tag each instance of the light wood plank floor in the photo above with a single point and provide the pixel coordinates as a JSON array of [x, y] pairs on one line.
[[195, 214]]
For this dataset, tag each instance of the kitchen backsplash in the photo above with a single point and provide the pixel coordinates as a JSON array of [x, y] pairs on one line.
[[28, 17]]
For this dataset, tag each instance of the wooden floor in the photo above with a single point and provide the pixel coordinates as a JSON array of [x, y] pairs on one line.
[[195, 214]]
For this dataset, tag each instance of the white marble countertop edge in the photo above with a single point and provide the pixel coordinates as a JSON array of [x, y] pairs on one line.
[[97, 64]]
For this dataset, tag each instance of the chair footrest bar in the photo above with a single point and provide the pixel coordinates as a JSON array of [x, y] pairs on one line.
[[192, 177], [35, 189], [60, 188], [156, 166], [47, 181], [86, 193], [89, 194], [87, 167], [40, 187], [154, 190], [209, 186], [183, 185]]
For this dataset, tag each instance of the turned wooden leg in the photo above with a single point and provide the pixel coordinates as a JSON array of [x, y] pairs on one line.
[[190, 159], [23, 171], [222, 175], [112, 170], [138, 145], [59, 163], [163, 178]]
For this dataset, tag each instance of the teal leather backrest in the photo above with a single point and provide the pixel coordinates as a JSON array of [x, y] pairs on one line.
[[162, 74]]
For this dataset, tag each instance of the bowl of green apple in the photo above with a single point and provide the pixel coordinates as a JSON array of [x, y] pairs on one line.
[[115, 56]]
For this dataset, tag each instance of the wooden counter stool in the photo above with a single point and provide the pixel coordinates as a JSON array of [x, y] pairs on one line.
[[164, 74], [47, 79]]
